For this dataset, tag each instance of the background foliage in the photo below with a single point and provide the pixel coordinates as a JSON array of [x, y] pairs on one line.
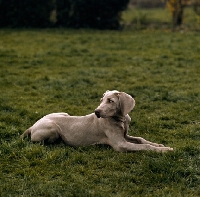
[[91, 14], [104, 14], [23, 13]]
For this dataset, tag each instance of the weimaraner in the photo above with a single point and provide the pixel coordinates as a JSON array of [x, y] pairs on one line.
[[107, 125]]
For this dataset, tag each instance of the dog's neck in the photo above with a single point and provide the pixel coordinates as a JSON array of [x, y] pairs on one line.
[[121, 119]]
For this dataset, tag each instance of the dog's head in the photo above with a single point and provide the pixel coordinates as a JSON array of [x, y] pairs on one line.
[[114, 103]]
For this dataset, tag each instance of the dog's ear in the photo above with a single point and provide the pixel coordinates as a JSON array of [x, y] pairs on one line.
[[126, 102]]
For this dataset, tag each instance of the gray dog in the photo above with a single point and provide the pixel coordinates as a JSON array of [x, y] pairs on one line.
[[107, 125]]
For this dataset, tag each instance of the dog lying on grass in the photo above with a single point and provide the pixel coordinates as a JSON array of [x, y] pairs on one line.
[[108, 124]]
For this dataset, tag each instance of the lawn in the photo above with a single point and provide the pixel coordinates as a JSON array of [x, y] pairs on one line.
[[53, 70]]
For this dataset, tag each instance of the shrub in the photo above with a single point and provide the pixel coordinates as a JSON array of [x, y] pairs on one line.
[[63, 12], [25, 13], [104, 14]]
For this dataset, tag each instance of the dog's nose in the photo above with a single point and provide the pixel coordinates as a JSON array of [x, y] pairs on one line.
[[97, 113]]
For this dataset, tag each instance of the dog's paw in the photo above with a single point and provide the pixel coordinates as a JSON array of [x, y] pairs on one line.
[[165, 149]]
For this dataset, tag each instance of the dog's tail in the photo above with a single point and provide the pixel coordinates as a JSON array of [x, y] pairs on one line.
[[26, 133]]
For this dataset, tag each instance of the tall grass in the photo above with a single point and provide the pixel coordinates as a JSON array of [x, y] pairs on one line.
[[44, 71]]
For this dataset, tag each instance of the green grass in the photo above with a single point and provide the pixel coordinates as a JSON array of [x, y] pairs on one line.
[[44, 71]]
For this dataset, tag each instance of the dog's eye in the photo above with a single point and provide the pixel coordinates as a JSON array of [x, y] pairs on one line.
[[110, 101]]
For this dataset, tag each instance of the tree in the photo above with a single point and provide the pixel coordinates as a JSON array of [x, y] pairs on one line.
[[176, 8], [104, 14], [25, 13]]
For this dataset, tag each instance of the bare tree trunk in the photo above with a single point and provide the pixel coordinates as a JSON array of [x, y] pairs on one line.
[[177, 13]]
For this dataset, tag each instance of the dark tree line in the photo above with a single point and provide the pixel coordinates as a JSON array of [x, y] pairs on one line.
[[103, 14]]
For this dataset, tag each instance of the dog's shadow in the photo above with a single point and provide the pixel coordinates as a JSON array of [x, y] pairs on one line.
[[60, 143]]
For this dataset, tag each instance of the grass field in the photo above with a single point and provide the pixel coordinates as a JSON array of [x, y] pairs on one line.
[[44, 71]]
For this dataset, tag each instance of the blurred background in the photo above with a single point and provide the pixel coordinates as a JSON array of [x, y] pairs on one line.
[[104, 14]]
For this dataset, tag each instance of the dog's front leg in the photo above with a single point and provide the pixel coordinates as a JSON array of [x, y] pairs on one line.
[[140, 140], [118, 142], [125, 146]]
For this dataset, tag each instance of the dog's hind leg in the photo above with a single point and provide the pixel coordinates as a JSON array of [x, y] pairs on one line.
[[48, 133]]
